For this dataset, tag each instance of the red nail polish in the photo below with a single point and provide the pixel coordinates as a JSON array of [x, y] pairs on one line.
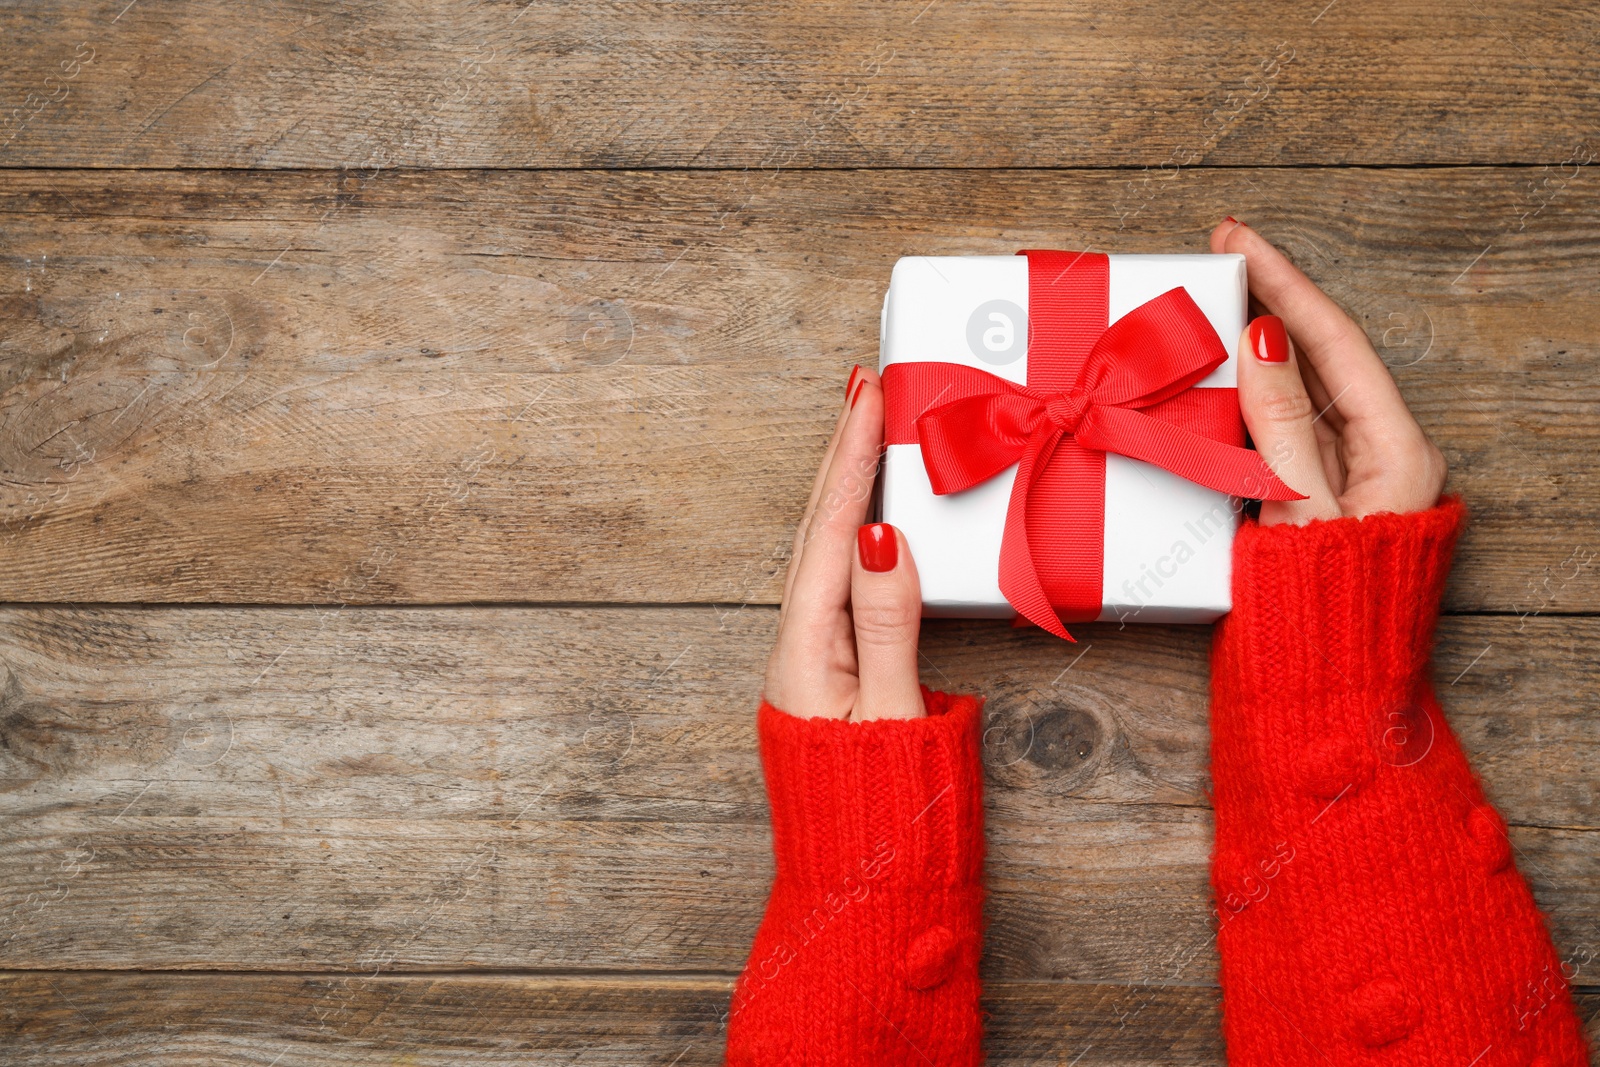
[[1230, 218], [855, 372], [862, 384], [879, 548], [1268, 341]]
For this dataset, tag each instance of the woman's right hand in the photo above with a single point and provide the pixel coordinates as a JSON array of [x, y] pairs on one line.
[[1331, 424], [852, 607]]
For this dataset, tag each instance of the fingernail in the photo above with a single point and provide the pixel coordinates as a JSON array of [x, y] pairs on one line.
[[878, 546], [855, 372], [1230, 218], [1268, 341], [862, 384]]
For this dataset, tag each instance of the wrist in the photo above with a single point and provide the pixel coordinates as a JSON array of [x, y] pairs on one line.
[[851, 799], [1336, 611]]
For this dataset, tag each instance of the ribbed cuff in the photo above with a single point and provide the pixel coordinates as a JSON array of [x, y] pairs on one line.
[[1333, 608], [1368, 907], [852, 799]]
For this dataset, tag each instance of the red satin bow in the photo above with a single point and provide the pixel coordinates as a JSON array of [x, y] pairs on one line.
[[1148, 357]]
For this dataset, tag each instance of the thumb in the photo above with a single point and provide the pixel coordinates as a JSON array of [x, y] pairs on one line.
[[886, 603], [1279, 415]]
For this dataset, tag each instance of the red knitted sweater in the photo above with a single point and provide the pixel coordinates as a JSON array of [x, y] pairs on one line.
[[1369, 911]]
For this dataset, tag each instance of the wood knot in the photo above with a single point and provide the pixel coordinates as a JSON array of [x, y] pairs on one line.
[[1030, 743]]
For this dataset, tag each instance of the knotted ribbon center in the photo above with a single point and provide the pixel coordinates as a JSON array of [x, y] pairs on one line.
[[1066, 410]]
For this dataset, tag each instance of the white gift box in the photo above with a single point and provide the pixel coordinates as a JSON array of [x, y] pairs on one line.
[[1168, 541]]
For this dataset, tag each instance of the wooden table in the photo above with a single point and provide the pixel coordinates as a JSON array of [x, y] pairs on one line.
[[404, 408]]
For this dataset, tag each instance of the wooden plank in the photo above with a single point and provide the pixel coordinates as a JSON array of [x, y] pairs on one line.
[[388, 790], [52, 1018], [513, 83], [180, 1019], [564, 387]]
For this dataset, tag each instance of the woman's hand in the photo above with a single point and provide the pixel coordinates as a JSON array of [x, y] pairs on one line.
[[1322, 409], [847, 632]]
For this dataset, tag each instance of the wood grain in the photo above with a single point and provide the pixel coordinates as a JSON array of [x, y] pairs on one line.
[[399, 789], [494, 386], [513, 83], [180, 1019], [311, 359], [173, 1020]]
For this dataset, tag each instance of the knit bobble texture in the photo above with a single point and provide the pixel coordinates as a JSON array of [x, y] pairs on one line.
[[1369, 912], [868, 951]]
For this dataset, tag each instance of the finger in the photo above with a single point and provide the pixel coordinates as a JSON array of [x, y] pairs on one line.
[[886, 602], [1314, 388], [1219, 233], [822, 578], [1279, 415], [1328, 423], [1327, 412], [1328, 441], [851, 388], [1358, 384]]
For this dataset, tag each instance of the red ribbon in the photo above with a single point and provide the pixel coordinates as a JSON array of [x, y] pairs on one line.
[[1092, 389]]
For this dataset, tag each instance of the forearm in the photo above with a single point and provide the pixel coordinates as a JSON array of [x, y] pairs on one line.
[[1366, 892], [868, 952]]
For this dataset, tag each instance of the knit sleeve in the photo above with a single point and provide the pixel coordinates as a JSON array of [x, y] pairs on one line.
[[868, 951], [1368, 905]]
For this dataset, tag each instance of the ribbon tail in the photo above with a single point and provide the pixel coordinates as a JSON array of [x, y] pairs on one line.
[[1019, 579], [1223, 467]]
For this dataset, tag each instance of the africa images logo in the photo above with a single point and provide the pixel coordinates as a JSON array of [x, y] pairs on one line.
[[997, 332]]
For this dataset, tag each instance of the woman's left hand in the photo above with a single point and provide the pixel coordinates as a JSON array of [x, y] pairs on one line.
[[852, 607], [1320, 405]]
